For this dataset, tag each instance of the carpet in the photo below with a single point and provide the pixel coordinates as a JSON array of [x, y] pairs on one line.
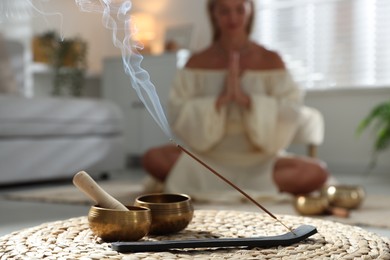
[[374, 212], [123, 190]]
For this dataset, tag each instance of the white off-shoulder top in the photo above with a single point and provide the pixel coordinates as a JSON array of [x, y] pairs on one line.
[[241, 144]]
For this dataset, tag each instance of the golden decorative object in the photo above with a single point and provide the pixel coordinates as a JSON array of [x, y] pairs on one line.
[[311, 205], [118, 225], [171, 213], [43, 48], [345, 196]]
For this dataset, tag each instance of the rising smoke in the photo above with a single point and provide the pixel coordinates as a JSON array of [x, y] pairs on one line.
[[116, 17]]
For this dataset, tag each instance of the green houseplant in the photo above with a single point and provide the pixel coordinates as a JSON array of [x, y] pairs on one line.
[[379, 119], [69, 63], [43, 46], [67, 58]]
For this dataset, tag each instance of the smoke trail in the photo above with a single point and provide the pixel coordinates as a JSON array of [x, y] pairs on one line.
[[116, 17], [46, 14]]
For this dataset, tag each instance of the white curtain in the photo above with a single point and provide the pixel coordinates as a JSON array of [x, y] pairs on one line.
[[329, 43]]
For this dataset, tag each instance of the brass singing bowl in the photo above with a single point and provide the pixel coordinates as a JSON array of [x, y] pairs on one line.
[[311, 205], [171, 213], [116, 225], [345, 196]]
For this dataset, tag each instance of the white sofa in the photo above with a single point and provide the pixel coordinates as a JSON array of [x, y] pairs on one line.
[[53, 138]]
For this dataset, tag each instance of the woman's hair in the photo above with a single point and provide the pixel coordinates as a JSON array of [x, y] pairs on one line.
[[215, 31]]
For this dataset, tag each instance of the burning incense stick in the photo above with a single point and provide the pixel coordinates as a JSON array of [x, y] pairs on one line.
[[234, 186]]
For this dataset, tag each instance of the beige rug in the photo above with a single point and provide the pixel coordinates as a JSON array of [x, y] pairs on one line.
[[73, 239], [123, 190], [374, 212]]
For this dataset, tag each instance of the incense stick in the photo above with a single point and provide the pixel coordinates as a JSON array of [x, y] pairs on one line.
[[235, 187]]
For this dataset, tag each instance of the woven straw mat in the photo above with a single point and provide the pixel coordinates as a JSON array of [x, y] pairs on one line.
[[72, 239]]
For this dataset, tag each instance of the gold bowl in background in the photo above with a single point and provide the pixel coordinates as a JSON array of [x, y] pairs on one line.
[[171, 213], [311, 205], [116, 225], [345, 196]]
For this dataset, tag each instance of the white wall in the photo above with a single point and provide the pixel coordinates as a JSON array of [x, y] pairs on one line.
[[77, 24], [177, 12], [343, 110], [90, 27]]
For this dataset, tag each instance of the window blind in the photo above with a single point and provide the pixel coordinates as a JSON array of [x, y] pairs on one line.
[[328, 43]]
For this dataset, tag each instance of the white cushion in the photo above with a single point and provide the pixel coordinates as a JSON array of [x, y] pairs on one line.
[[311, 127], [24, 117]]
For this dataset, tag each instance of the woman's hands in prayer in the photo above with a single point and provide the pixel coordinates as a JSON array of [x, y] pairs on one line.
[[232, 91]]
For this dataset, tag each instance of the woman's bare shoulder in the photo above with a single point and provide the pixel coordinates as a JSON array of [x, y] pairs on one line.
[[201, 59], [272, 58]]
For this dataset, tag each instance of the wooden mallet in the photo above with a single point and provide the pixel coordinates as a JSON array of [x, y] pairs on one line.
[[86, 184]]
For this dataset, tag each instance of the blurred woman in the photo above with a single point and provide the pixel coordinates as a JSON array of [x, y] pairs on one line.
[[236, 107]]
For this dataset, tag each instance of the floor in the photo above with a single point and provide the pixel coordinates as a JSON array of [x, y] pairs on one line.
[[16, 215]]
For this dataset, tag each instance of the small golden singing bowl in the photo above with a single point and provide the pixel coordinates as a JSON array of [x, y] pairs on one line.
[[311, 205], [171, 213], [116, 225], [345, 196]]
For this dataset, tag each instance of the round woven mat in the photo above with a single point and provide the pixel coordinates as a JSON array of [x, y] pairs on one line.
[[72, 239]]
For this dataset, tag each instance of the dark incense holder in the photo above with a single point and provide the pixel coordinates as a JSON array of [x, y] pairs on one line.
[[297, 235]]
